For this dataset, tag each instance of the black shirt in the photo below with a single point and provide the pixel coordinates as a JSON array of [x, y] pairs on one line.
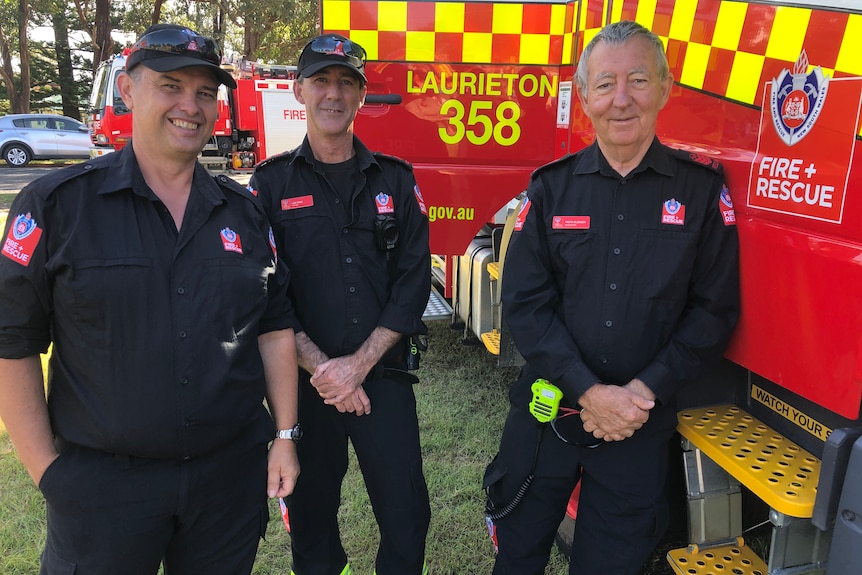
[[154, 332], [343, 286], [612, 278]]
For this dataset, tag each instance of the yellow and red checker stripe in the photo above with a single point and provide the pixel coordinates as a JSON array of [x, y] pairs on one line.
[[533, 33]]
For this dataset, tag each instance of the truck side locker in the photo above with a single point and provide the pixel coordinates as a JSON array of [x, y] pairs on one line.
[[499, 341], [845, 554]]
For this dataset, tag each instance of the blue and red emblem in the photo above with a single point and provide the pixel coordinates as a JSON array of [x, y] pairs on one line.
[[797, 99], [230, 240], [384, 204], [673, 212]]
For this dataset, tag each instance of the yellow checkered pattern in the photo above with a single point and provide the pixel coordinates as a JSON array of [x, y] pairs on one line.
[[478, 32], [732, 48]]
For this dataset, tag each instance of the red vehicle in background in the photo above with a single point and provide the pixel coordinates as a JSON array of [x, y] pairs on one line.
[[258, 119]]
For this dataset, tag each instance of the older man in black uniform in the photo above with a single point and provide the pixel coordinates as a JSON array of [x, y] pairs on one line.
[[351, 229], [159, 287], [621, 286]]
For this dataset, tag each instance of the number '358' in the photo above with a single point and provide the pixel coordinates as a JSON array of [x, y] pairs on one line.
[[482, 122]]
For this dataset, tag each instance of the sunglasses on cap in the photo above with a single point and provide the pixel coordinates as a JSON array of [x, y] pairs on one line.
[[179, 42], [330, 45]]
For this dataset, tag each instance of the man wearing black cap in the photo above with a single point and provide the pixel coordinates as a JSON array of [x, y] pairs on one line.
[[352, 231], [160, 289]]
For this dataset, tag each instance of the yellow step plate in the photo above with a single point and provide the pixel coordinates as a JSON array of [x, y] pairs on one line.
[[491, 339], [774, 468], [730, 559], [494, 270]]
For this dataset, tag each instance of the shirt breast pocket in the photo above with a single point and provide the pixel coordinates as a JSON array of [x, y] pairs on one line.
[[103, 291], [665, 260], [236, 290], [302, 228], [571, 253]]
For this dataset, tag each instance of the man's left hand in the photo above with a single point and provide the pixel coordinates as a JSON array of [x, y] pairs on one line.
[[282, 468]]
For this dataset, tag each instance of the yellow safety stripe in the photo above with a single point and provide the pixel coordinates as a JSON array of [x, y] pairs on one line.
[[532, 33]]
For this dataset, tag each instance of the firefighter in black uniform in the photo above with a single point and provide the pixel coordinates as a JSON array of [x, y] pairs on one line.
[[159, 287], [621, 286], [355, 238]]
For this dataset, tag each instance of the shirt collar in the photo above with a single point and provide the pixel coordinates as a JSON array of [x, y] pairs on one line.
[[656, 158], [124, 173], [365, 158]]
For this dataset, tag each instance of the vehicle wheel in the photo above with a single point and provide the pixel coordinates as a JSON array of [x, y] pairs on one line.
[[17, 155], [225, 145]]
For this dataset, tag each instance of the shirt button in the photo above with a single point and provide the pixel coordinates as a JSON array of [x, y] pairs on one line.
[[617, 251], [609, 323], [181, 290], [184, 381], [355, 321], [349, 260], [620, 217], [613, 286], [186, 459], [351, 289], [183, 334], [187, 423], [344, 231], [337, 201], [604, 359]]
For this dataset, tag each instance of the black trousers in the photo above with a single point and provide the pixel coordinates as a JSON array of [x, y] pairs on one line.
[[112, 514], [387, 447], [622, 510]]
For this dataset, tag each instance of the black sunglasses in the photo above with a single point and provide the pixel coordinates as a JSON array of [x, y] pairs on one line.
[[569, 428], [174, 41], [329, 45]]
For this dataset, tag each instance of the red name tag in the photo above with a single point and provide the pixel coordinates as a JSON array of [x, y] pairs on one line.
[[571, 222], [294, 203]]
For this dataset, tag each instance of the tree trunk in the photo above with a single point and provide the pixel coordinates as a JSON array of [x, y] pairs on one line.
[[20, 103], [103, 44], [65, 77], [157, 12]]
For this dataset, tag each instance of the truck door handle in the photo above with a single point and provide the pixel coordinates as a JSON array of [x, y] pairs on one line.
[[393, 99]]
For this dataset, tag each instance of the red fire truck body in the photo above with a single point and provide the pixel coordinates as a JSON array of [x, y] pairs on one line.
[[477, 94], [259, 118]]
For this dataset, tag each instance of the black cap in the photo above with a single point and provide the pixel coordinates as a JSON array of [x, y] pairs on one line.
[[167, 47], [331, 50]]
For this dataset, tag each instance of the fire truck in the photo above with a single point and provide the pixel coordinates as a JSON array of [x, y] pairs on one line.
[[259, 118], [477, 94]]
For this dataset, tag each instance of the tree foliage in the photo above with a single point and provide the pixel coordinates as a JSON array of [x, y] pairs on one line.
[[56, 74]]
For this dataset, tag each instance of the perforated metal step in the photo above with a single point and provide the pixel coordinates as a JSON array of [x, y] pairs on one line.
[[732, 559], [437, 307], [491, 339], [494, 270], [774, 468]]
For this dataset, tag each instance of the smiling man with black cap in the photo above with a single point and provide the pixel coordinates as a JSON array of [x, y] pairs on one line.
[[161, 290], [352, 231]]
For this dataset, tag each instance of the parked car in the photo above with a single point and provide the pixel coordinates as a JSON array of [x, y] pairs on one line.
[[25, 137]]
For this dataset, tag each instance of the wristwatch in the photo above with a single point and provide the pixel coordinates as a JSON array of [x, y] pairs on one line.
[[294, 433]]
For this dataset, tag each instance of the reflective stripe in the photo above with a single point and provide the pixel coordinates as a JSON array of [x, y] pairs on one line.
[[537, 33]]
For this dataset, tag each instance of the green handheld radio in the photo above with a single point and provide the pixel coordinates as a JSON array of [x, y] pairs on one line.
[[546, 400]]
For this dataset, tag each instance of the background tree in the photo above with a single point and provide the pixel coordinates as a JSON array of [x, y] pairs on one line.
[[18, 92]]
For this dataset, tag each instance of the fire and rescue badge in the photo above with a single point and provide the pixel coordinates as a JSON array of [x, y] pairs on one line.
[[797, 99]]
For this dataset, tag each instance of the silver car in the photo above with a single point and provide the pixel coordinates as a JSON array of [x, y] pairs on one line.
[[25, 137]]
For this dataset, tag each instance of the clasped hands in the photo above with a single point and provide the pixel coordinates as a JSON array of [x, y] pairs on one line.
[[614, 413], [339, 382]]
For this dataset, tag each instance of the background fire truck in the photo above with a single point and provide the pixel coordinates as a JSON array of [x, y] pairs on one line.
[[258, 119], [478, 94]]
